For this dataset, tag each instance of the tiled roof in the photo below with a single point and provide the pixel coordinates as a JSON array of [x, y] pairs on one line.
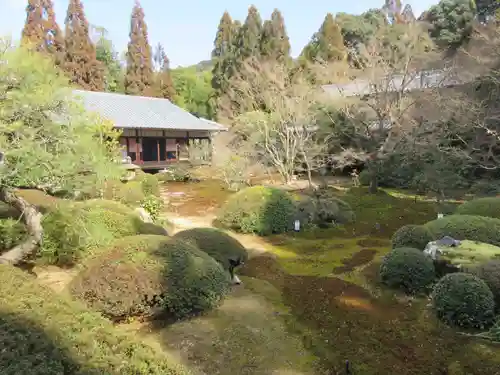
[[131, 112]]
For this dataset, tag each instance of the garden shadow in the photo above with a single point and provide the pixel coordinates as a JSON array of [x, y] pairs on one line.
[[28, 349]]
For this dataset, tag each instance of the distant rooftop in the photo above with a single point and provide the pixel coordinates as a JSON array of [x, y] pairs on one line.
[[132, 112]]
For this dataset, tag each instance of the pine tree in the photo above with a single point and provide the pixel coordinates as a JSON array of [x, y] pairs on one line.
[[80, 60], [139, 76], [327, 44], [41, 30], [163, 83], [275, 43], [249, 36]]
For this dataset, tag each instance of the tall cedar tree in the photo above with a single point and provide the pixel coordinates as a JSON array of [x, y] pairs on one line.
[[249, 36], [327, 44], [41, 30], [163, 83], [275, 43], [222, 54], [139, 76], [80, 62]]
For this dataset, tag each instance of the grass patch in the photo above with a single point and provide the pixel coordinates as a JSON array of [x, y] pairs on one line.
[[248, 334], [471, 253]]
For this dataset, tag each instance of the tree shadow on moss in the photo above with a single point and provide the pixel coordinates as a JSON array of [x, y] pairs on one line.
[[28, 349]]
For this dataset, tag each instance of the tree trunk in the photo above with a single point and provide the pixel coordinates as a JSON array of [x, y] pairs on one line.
[[32, 218]]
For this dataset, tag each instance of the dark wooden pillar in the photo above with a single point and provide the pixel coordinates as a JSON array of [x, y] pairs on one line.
[[138, 140], [158, 150]]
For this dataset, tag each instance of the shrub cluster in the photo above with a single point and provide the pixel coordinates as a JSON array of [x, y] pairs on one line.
[[215, 243], [124, 279], [259, 210], [407, 269], [489, 207], [466, 227], [463, 300], [149, 183], [74, 231], [43, 333], [322, 208], [12, 233], [489, 272], [415, 236]]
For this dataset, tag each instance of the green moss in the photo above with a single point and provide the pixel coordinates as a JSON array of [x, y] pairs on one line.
[[317, 257], [471, 253]]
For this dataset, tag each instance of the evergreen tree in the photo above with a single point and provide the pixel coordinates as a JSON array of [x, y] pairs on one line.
[[223, 56], [163, 85], [327, 44], [407, 14], [113, 71], [249, 36], [80, 60], [275, 43], [139, 76], [41, 30]]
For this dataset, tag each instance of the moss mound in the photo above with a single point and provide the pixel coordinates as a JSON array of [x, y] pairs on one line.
[[42, 201], [73, 232], [42, 333], [12, 233], [466, 227], [105, 205], [149, 275], [489, 207], [463, 300], [415, 236], [259, 210], [407, 269], [219, 245], [489, 272]]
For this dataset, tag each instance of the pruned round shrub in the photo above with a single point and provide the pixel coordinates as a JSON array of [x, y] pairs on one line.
[[134, 271], [415, 236], [489, 272], [130, 193], [463, 300], [466, 227], [365, 177], [407, 269], [322, 208], [12, 233], [258, 209], [149, 183], [73, 232], [43, 333], [489, 207], [219, 245]]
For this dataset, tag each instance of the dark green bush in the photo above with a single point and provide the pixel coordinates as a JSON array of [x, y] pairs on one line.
[[133, 270], [12, 233], [485, 188], [466, 227], [215, 243], [322, 208], [489, 207], [463, 300], [258, 209], [42, 333], [365, 177], [489, 272], [415, 236], [407, 269], [73, 232]]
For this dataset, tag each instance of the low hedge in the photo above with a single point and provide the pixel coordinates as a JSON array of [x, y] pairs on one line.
[[322, 207], [407, 269], [258, 209], [133, 271], [415, 236], [489, 272], [12, 233], [73, 232], [466, 227], [215, 243], [489, 207], [463, 300], [42, 333]]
